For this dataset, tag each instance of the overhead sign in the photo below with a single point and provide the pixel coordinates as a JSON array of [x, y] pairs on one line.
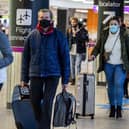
[[109, 15], [23, 18], [108, 9]]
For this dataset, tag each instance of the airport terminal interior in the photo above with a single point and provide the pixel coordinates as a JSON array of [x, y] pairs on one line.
[[100, 121], [82, 9]]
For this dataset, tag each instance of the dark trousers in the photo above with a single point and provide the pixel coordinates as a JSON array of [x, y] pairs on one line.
[[1, 85], [43, 89]]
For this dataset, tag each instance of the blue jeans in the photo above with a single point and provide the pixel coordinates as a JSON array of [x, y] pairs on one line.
[[115, 75], [79, 59], [72, 65]]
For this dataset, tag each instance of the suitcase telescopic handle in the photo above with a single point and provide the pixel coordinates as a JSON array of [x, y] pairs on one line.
[[24, 92], [89, 61]]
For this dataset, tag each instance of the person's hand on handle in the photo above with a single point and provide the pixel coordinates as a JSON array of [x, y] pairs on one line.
[[91, 58], [64, 87], [24, 84]]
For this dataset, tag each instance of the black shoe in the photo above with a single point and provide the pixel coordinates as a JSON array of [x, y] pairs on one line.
[[73, 82], [112, 111], [119, 112], [126, 96]]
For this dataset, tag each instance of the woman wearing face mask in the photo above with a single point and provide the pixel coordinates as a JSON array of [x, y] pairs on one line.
[[113, 47]]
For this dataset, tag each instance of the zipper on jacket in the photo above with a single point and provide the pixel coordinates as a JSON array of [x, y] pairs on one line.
[[43, 57], [45, 48]]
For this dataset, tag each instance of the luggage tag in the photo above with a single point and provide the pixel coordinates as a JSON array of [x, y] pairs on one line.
[[24, 92]]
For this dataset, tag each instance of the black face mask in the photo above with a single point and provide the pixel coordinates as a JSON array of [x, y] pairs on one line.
[[45, 23]]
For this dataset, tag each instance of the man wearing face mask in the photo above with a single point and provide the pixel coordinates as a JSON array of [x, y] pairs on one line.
[[45, 59], [82, 39], [113, 47]]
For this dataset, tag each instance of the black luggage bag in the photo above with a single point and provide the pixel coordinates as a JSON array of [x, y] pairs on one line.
[[22, 109]]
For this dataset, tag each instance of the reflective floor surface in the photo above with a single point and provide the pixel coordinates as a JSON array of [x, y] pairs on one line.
[[101, 120]]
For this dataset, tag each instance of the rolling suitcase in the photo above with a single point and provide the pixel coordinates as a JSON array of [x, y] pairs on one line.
[[85, 95], [22, 109], [85, 92]]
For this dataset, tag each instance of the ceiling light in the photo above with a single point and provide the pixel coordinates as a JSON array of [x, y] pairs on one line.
[[84, 1], [78, 0], [88, 2], [126, 2], [81, 11]]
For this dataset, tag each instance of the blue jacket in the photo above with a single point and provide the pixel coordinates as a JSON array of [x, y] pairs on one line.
[[5, 50], [45, 55]]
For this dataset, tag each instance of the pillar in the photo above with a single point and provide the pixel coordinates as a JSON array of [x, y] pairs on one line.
[[96, 2], [92, 25], [63, 18]]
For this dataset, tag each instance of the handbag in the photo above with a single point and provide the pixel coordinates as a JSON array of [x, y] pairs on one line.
[[107, 55]]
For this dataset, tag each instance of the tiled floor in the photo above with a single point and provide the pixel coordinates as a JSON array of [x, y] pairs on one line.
[[101, 120]]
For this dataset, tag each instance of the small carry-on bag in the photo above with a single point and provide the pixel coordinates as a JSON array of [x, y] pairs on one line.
[[22, 109], [64, 110], [85, 92]]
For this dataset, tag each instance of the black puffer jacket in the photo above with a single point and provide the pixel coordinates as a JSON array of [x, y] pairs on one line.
[[81, 39]]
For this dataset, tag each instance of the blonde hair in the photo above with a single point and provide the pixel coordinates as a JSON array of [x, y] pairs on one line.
[[74, 18]]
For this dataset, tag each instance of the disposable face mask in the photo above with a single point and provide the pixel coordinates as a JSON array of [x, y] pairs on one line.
[[114, 28], [45, 23]]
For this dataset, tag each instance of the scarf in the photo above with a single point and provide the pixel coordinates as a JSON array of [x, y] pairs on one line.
[[40, 29]]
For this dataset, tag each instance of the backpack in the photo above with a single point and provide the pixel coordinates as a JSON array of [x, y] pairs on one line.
[[64, 110]]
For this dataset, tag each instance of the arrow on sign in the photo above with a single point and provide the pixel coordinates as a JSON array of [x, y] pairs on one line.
[[109, 14]]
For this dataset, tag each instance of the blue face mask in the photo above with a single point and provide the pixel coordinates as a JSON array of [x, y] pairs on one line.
[[113, 28]]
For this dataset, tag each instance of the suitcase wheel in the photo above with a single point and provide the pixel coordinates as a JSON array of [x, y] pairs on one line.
[[92, 116], [77, 115]]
